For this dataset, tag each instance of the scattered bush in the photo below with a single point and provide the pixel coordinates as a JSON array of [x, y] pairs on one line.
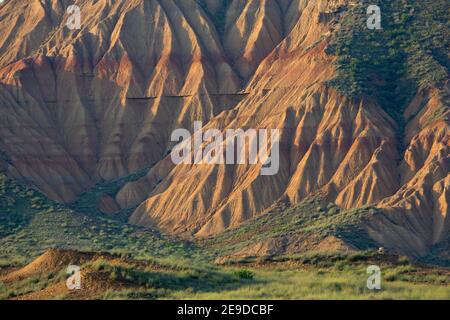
[[245, 274]]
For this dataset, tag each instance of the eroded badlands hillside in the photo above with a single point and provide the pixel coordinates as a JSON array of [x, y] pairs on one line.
[[78, 107]]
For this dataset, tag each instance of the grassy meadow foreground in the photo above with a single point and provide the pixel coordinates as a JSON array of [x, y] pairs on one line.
[[309, 276]]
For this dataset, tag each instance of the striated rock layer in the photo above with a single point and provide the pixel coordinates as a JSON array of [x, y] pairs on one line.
[[82, 106]]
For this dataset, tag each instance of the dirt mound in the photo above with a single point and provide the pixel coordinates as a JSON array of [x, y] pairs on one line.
[[94, 284], [289, 246], [53, 260], [95, 281], [333, 244]]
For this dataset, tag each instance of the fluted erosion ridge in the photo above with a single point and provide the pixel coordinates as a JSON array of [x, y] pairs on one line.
[[82, 106]]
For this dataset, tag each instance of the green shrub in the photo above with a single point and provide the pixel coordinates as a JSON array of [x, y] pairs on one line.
[[245, 274], [403, 260]]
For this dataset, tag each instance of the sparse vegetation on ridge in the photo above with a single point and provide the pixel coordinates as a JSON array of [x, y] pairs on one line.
[[308, 220], [389, 65]]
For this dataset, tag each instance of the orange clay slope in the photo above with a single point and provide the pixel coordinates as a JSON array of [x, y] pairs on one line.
[[83, 106]]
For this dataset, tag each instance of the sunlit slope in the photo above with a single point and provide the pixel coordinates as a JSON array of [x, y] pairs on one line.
[[83, 107]]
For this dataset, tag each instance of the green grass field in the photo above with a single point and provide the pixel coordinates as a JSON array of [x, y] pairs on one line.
[[182, 279], [331, 283]]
